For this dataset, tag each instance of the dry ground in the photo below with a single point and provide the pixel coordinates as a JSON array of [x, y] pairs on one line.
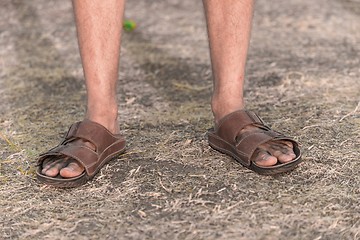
[[303, 78]]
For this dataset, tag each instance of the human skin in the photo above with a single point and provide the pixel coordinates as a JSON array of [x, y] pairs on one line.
[[99, 25]]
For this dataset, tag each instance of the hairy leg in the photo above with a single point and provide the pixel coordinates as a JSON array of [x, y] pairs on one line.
[[99, 25], [229, 27]]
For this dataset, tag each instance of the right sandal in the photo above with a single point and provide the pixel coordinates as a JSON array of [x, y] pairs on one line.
[[226, 139], [107, 147]]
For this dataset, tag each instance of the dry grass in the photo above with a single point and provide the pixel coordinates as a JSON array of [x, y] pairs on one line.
[[303, 76]]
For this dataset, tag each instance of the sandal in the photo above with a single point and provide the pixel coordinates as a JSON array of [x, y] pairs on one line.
[[226, 139], [107, 146]]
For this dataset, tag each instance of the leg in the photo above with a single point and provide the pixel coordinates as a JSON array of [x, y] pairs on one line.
[[229, 26], [99, 25]]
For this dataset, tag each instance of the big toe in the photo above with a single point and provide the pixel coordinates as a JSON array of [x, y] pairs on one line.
[[73, 169]]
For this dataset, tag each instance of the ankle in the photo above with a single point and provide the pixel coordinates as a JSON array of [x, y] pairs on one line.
[[221, 106], [106, 116]]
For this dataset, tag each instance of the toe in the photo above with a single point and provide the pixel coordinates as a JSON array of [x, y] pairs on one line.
[[263, 158], [51, 172], [282, 150], [46, 165], [284, 158], [73, 169], [52, 168]]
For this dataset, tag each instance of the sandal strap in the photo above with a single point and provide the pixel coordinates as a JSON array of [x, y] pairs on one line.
[[85, 156], [229, 126], [92, 132], [248, 144]]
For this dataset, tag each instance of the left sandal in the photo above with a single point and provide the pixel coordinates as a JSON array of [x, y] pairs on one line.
[[226, 139], [107, 146]]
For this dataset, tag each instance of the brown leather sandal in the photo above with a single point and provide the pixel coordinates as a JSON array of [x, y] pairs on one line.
[[107, 146], [225, 138]]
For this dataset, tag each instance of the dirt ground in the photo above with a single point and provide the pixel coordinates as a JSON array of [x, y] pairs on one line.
[[303, 78]]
